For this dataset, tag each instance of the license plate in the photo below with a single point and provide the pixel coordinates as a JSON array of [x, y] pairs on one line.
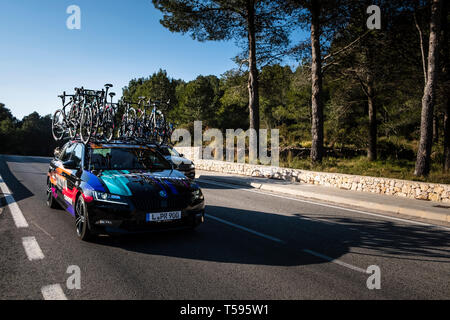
[[163, 216]]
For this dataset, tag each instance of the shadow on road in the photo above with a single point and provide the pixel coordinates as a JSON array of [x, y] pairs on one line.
[[203, 181], [25, 159], [386, 238], [333, 237], [19, 190]]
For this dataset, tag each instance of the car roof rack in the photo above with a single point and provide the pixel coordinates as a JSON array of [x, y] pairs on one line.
[[130, 141]]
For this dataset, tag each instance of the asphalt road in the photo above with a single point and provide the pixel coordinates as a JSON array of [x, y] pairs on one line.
[[253, 245]]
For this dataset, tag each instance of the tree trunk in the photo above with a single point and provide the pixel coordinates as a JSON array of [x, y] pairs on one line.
[[446, 72], [435, 127], [316, 80], [446, 165], [426, 125], [253, 90], [422, 49], [372, 146]]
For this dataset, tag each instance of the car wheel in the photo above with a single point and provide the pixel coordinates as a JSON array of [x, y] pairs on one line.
[[81, 220], [51, 202]]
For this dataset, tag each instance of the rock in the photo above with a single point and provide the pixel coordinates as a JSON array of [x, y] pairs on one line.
[[256, 173], [422, 196], [434, 197]]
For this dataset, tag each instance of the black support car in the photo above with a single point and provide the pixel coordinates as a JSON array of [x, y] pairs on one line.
[[181, 163], [118, 187]]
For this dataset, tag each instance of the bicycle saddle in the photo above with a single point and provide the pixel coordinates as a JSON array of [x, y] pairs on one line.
[[108, 85]]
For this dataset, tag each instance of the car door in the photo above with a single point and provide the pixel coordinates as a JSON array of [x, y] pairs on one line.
[[62, 174], [55, 173], [73, 175]]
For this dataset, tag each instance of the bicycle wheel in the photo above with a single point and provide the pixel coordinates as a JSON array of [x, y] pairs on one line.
[[167, 137], [151, 127], [86, 124], [58, 127], [108, 125], [95, 119], [73, 122], [131, 123], [122, 128], [160, 127]]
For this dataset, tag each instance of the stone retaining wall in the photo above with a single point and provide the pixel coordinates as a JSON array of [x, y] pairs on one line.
[[401, 188]]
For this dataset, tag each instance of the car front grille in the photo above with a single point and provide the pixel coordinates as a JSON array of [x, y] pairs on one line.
[[151, 202]]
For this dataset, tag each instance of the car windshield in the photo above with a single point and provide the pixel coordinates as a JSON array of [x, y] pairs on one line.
[[167, 151], [126, 159]]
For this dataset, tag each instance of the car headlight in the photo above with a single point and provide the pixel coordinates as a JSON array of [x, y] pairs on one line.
[[197, 194], [107, 197]]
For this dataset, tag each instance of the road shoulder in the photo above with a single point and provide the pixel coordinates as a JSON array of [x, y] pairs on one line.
[[407, 208]]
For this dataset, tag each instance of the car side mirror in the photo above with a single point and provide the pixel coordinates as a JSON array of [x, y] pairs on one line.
[[70, 164], [181, 155], [57, 152]]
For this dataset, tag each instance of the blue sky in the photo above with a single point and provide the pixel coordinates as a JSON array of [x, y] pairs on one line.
[[118, 41]]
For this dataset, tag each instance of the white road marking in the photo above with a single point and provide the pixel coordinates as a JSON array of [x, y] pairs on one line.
[[316, 254], [245, 229], [325, 205], [339, 262], [32, 248], [53, 292], [16, 213]]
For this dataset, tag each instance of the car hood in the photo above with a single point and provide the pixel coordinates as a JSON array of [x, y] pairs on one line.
[[141, 182]]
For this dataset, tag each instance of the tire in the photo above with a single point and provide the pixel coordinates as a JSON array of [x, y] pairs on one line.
[[168, 130], [108, 125], [81, 220], [131, 123], [86, 124], [122, 130], [95, 119], [160, 124], [51, 202], [58, 129], [73, 121]]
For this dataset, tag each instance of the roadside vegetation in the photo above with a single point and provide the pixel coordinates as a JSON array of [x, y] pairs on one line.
[[30, 136]]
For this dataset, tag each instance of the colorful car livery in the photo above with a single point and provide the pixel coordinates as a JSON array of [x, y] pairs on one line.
[[118, 187]]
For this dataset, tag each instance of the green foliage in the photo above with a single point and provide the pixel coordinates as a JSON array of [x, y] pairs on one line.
[[31, 136], [157, 87], [216, 20], [198, 100], [233, 108]]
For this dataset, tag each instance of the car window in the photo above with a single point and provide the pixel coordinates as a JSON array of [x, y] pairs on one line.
[[127, 159], [63, 151], [77, 154], [164, 151], [173, 152], [168, 151], [67, 153]]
